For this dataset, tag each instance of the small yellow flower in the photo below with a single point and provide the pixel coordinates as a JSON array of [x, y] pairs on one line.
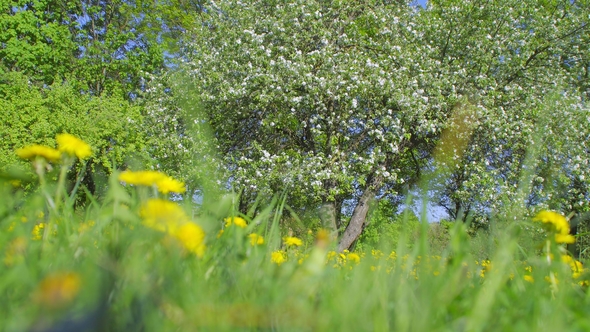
[[553, 221], [529, 278], [376, 253], [33, 151], [323, 237], [168, 217], [278, 257], [576, 266], [162, 215], [392, 256], [238, 221], [15, 183], [74, 146], [168, 184], [85, 226], [353, 257], [256, 239], [163, 182], [192, 238], [38, 231], [565, 238], [141, 178], [58, 289], [292, 241], [330, 255]]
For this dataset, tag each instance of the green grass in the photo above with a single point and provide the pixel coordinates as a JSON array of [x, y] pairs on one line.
[[99, 268]]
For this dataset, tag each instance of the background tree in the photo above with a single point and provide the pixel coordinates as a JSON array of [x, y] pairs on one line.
[[511, 58], [323, 100], [339, 101]]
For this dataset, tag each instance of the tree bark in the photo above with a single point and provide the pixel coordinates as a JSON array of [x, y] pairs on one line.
[[359, 215], [328, 216]]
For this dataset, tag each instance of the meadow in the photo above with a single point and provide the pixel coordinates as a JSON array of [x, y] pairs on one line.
[[139, 259]]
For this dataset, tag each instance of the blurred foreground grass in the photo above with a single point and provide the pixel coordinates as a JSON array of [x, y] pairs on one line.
[[135, 260]]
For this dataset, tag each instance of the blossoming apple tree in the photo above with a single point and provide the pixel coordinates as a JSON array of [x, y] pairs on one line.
[[346, 101]]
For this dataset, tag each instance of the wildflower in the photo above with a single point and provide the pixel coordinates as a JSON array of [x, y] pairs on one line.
[[33, 151], [192, 238], [38, 231], [376, 253], [292, 241], [168, 217], [164, 183], [353, 257], [58, 289], [278, 257], [565, 238], [238, 221], [575, 265], [331, 254], [557, 223], [322, 238], [141, 178], [74, 146], [392, 256], [162, 215], [529, 278], [256, 239], [168, 184], [85, 226]]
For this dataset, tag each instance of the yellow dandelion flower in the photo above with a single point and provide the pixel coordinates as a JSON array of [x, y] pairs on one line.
[[323, 238], [376, 253], [565, 238], [529, 278], [278, 257], [164, 183], [168, 184], [141, 178], [330, 255], [74, 146], [554, 221], [58, 289], [392, 256], [576, 266], [85, 226], [33, 151], [256, 239], [238, 221], [192, 238], [38, 231], [292, 241], [353, 257], [162, 215]]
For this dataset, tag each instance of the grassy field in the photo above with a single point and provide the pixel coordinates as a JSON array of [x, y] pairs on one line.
[[136, 260]]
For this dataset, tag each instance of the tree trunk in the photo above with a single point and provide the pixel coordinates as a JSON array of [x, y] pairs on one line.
[[328, 216], [359, 215]]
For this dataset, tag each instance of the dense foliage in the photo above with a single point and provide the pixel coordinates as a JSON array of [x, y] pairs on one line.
[[342, 103]]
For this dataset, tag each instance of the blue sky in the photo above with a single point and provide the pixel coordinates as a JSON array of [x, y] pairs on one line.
[[422, 2]]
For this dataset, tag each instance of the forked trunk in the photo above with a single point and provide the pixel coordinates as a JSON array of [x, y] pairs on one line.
[[359, 215]]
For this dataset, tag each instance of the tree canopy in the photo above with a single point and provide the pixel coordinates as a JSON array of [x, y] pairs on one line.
[[345, 101]]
